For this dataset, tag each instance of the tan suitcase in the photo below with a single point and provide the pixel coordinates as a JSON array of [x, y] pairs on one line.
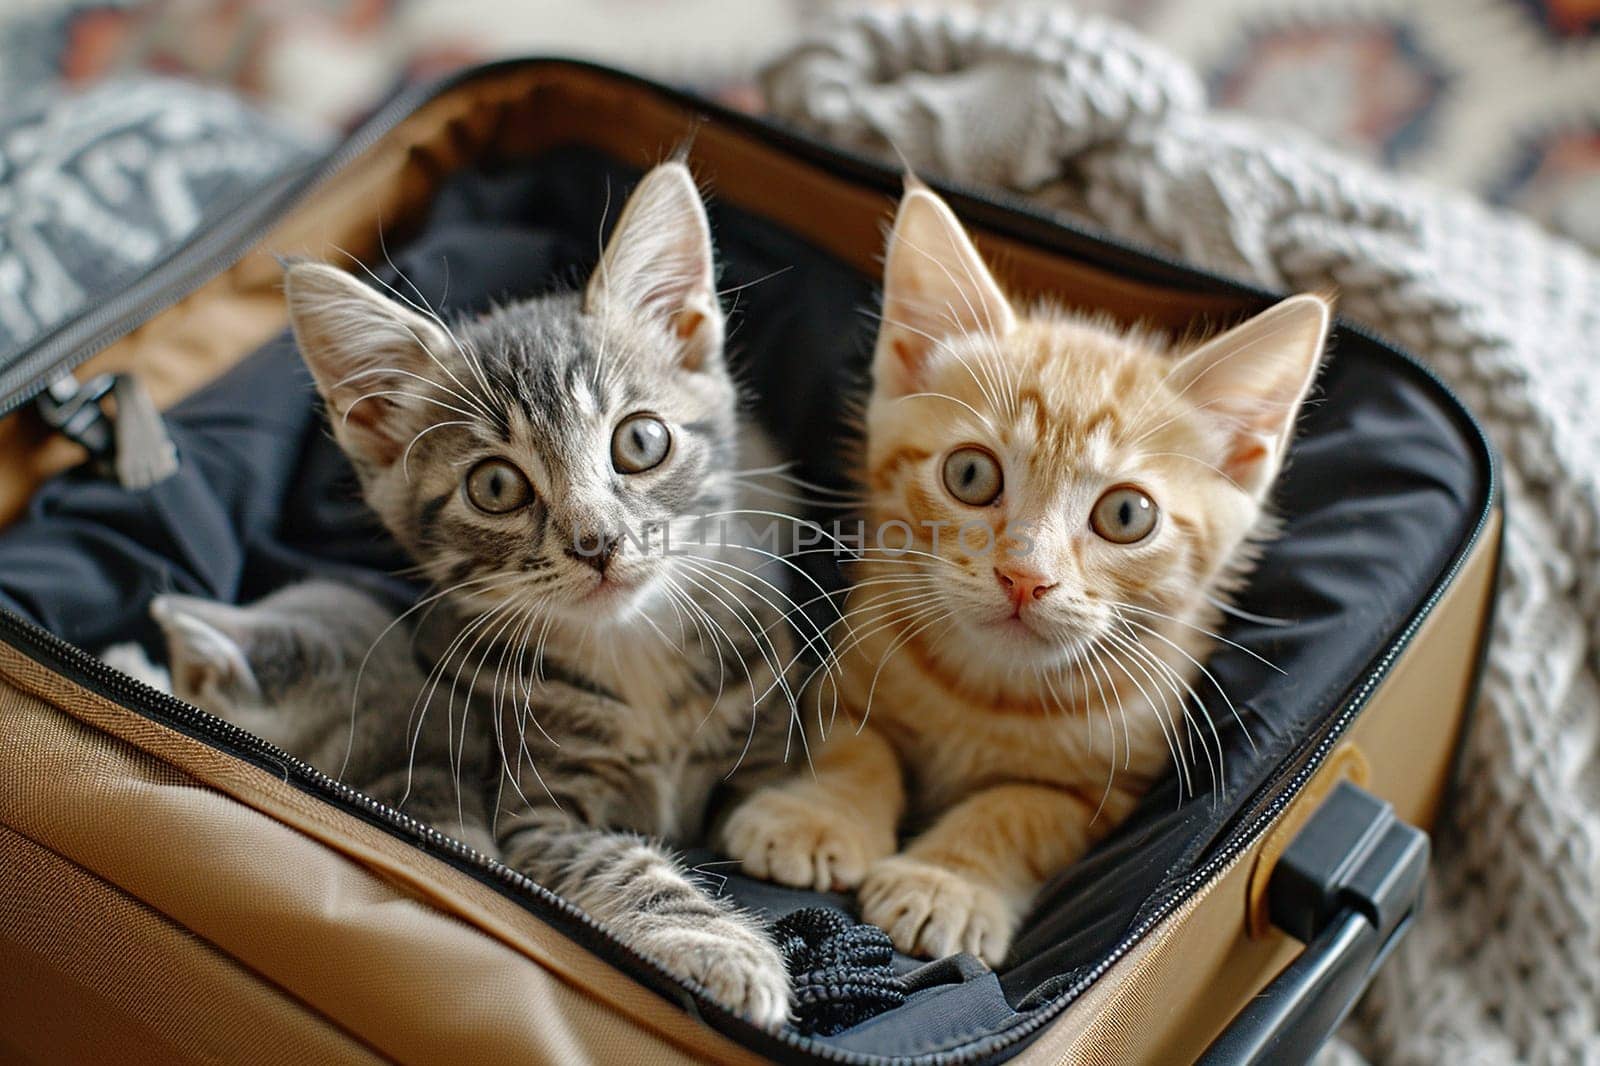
[[174, 891]]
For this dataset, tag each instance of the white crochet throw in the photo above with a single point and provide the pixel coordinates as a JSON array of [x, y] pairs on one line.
[[1089, 118]]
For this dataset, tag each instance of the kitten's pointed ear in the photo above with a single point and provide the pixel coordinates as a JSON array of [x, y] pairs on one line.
[[366, 353], [1253, 379], [206, 650], [659, 265], [935, 286]]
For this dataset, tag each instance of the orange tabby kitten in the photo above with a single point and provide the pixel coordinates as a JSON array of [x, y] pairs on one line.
[[1077, 499]]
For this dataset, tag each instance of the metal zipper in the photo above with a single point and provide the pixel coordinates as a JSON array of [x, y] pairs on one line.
[[225, 242]]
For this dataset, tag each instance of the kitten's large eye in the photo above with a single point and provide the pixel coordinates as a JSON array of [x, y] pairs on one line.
[[973, 476], [1124, 515], [640, 442], [495, 486]]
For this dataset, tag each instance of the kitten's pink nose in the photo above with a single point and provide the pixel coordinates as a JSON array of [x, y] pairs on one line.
[[1022, 585]]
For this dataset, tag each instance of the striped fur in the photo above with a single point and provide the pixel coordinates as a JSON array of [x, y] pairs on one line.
[[616, 694], [307, 669]]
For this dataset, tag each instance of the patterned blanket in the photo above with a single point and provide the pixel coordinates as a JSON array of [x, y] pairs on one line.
[[95, 187], [1087, 117]]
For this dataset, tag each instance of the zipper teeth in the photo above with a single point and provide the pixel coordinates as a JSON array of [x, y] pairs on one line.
[[144, 697], [74, 341]]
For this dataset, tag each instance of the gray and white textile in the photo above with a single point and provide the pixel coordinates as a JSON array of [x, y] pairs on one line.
[[96, 187]]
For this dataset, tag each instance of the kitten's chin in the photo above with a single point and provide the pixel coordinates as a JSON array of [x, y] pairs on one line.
[[1030, 645], [613, 601], [1008, 644]]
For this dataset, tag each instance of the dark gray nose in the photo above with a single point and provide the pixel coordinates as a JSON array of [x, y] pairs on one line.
[[594, 549]]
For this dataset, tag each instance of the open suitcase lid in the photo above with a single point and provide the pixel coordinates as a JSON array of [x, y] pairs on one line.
[[1391, 485]]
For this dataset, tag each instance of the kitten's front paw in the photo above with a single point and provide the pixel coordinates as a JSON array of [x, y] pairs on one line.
[[792, 839], [131, 660], [932, 912], [736, 965]]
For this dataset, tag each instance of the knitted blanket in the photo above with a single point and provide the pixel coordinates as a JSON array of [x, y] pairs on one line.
[[1087, 117]]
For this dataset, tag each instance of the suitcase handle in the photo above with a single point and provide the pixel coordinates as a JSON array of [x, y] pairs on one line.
[[1347, 886]]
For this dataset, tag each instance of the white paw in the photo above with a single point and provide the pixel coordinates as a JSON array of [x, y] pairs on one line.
[[737, 966], [932, 912], [131, 660], [786, 837]]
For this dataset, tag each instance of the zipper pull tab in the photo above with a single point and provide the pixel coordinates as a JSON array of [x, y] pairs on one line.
[[73, 410], [134, 444], [143, 453]]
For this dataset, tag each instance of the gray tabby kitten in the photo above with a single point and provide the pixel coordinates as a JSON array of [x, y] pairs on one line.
[[529, 461]]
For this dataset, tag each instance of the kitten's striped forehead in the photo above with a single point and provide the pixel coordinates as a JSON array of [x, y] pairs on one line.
[[1067, 404], [564, 378], [551, 362], [1067, 399], [560, 370], [1056, 429]]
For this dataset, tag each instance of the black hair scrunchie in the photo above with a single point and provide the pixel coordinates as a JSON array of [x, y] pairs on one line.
[[842, 971]]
